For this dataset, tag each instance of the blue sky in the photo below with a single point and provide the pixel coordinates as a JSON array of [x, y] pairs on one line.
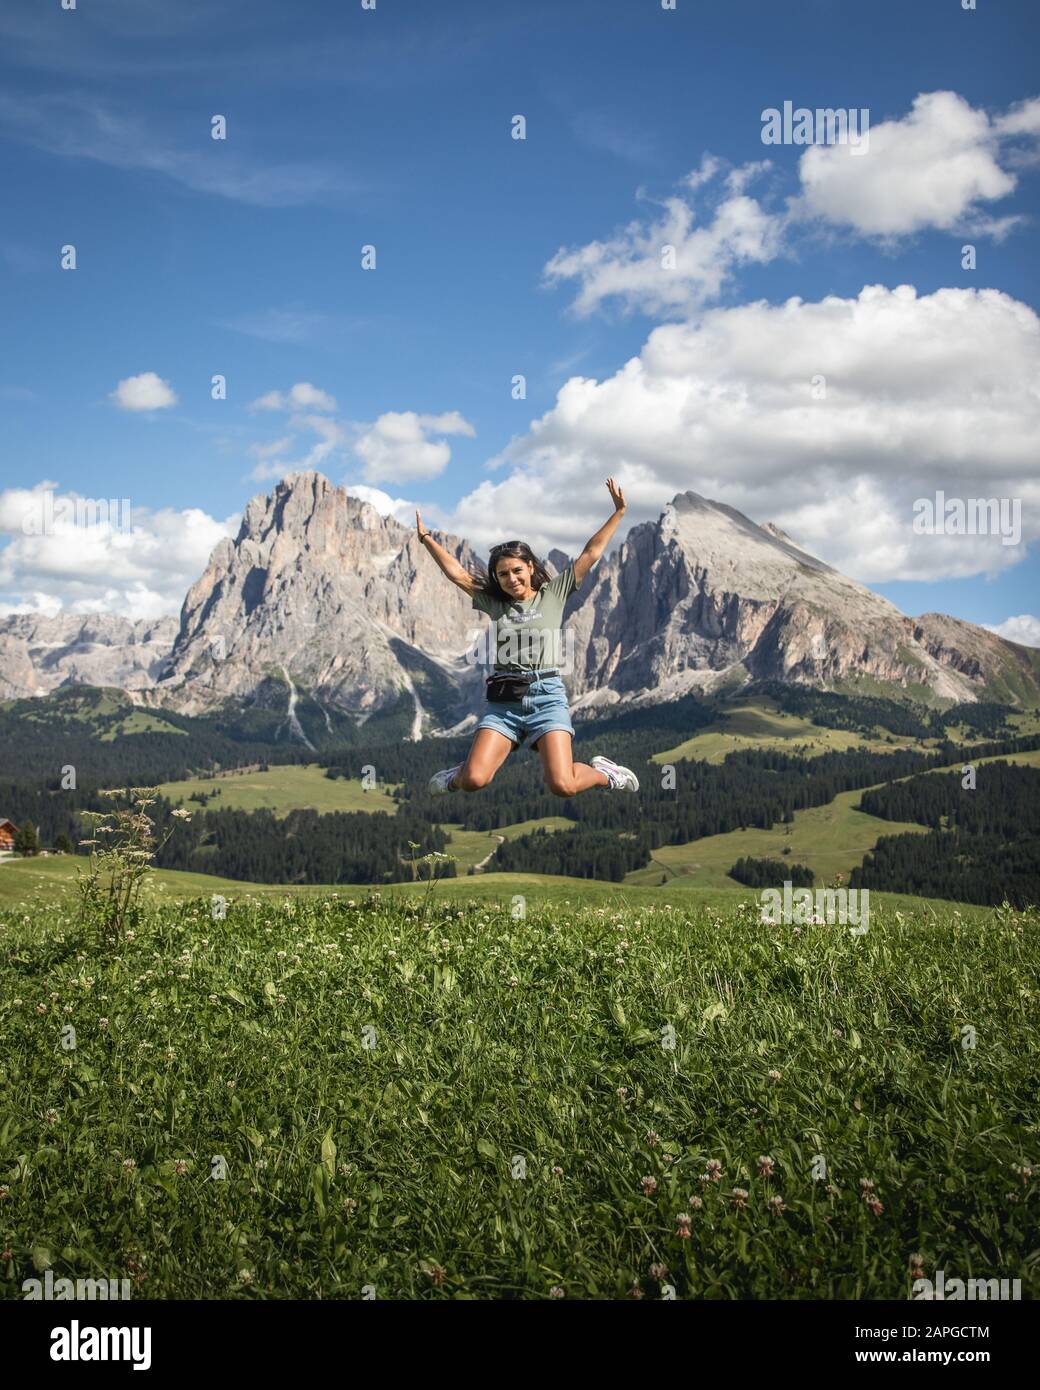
[[391, 127]]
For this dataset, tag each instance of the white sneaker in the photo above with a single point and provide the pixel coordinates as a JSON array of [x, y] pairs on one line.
[[621, 778], [439, 781]]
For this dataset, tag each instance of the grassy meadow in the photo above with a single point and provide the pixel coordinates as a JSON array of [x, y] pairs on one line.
[[423, 1093]]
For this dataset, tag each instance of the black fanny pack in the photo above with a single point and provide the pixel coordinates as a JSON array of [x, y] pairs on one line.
[[507, 687]]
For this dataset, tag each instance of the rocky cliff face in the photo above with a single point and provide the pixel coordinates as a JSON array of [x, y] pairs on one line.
[[704, 597], [38, 654], [320, 599], [318, 592]]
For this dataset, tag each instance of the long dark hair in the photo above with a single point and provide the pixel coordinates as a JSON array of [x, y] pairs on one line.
[[509, 550]]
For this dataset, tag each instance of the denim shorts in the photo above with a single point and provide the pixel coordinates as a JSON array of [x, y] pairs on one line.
[[542, 709]]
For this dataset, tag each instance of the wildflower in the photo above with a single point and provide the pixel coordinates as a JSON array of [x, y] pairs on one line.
[[649, 1185], [214, 999], [41, 1008], [180, 1166], [765, 1166], [349, 1205], [774, 1076], [129, 1164], [51, 1117], [102, 1022], [667, 1159], [513, 981], [556, 1291], [6, 1255], [557, 1172], [832, 1190], [713, 1170], [696, 1203], [916, 1266], [682, 1226], [435, 1272], [622, 1091], [740, 1196], [231, 1085], [652, 1137], [181, 814], [658, 1272], [875, 1206], [777, 1205], [866, 1185], [5, 1192], [635, 1291], [245, 1276]]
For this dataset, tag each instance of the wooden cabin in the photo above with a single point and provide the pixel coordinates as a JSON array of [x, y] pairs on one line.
[[8, 830]]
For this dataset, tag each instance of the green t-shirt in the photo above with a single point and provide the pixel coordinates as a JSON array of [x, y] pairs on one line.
[[527, 631]]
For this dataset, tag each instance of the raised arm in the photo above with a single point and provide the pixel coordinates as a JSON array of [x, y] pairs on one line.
[[447, 563], [595, 545]]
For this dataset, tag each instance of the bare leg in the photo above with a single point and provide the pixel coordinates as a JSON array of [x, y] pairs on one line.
[[563, 776], [487, 753]]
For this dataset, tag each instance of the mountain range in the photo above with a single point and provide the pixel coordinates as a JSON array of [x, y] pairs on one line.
[[320, 601]]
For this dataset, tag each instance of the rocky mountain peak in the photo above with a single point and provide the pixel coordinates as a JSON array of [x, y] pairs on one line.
[[321, 600]]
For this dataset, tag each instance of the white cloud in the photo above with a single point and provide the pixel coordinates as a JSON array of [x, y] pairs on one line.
[[923, 393], [1025, 629], [330, 436], [139, 566], [632, 265], [400, 508], [302, 396], [935, 167], [144, 392], [396, 446], [269, 451]]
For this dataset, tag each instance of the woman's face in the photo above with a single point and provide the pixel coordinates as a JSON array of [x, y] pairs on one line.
[[514, 576]]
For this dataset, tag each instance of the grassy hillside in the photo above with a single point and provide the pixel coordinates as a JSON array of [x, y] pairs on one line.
[[29, 884], [458, 1103], [760, 723], [281, 789], [827, 839]]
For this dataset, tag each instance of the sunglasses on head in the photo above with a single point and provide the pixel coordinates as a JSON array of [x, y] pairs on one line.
[[506, 545]]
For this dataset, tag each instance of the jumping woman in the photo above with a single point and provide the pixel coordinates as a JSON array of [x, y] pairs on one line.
[[526, 696]]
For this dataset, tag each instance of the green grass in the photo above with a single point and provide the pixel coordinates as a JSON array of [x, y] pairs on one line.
[[828, 839], [761, 724], [471, 847], [281, 789], [498, 1039], [141, 721]]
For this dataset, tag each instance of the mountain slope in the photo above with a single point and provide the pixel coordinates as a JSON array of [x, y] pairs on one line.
[[322, 610], [320, 593], [704, 597], [39, 654]]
